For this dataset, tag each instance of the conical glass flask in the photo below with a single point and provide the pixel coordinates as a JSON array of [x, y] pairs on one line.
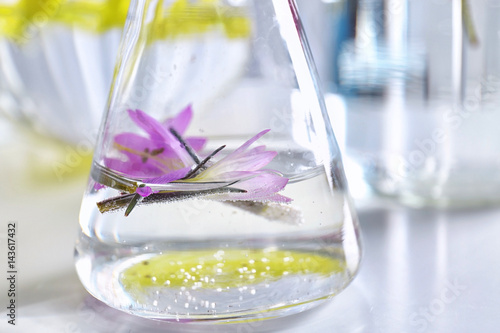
[[217, 190]]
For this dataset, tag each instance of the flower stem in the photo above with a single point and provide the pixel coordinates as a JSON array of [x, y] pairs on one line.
[[185, 145], [202, 163], [126, 200], [107, 177]]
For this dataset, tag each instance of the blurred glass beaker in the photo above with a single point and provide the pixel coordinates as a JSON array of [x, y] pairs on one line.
[[56, 63], [420, 82]]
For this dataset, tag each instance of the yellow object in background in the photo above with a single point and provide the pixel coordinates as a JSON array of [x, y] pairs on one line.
[[32, 161], [21, 20], [188, 17], [51, 153]]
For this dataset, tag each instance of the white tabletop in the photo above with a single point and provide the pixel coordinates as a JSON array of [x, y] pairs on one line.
[[422, 271]]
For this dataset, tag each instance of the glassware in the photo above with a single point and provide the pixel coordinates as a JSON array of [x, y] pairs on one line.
[[326, 24], [56, 64], [421, 79], [186, 216]]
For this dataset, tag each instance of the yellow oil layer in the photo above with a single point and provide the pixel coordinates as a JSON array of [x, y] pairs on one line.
[[232, 268], [20, 21]]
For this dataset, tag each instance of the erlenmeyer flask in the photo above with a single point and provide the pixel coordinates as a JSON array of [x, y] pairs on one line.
[[217, 190]]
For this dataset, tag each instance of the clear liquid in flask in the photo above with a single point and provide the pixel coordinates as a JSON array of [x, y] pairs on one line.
[[206, 259]]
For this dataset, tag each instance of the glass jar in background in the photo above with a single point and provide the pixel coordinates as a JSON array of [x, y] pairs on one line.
[[217, 190], [327, 23], [420, 82], [56, 64]]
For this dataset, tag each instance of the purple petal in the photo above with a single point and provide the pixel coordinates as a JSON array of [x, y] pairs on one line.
[[132, 169], [249, 162], [169, 177], [264, 183], [260, 188], [247, 144], [155, 129], [231, 176], [196, 143], [138, 166], [181, 152], [139, 149], [258, 149], [144, 191], [181, 121], [136, 144], [252, 160], [98, 186], [241, 176], [160, 136]]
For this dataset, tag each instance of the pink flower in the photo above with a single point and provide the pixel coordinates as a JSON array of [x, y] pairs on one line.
[[158, 153], [164, 163], [243, 168]]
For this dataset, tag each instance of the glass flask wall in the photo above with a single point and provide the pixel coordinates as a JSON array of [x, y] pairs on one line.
[[217, 189]]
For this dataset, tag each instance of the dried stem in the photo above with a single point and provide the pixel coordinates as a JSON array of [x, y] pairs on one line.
[[185, 145], [202, 163], [124, 201]]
